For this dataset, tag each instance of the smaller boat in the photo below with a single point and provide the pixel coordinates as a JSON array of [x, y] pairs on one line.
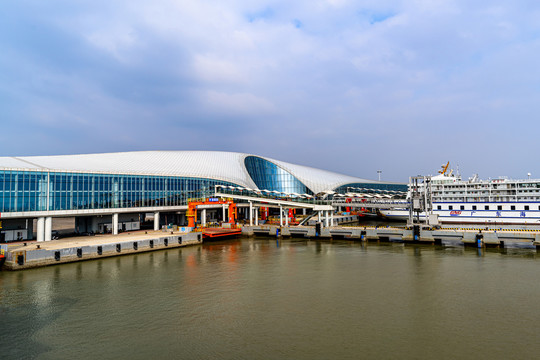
[[220, 233]]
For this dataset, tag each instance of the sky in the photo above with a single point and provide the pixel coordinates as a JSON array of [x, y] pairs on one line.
[[346, 86]]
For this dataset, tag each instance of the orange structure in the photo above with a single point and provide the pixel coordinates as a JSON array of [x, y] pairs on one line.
[[192, 209], [211, 233], [292, 217], [348, 208]]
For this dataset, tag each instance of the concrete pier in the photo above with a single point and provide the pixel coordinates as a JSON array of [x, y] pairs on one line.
[[83, 248], [447, 237]]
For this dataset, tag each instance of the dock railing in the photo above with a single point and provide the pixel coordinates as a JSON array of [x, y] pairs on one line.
[[274, 195], [329, 199]]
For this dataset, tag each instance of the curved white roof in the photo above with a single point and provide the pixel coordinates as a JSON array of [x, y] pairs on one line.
[[226, 166]]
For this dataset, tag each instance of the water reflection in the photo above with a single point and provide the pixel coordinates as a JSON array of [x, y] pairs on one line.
[[239, 299]]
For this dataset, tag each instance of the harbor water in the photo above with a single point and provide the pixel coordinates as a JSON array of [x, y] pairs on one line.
[[262, 298]]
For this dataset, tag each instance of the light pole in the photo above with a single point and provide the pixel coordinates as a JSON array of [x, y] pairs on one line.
[[379, 172]]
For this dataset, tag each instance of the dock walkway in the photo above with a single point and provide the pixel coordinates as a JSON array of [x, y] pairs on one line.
[[36, 254], [514, 238]]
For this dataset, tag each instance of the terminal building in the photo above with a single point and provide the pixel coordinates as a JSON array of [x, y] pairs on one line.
[[113, 192]]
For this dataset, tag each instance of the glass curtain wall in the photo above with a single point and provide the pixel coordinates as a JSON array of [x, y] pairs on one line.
[[27, 190], [395, 187], [269, 176]]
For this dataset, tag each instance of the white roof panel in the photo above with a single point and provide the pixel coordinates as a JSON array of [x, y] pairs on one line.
[[226, 166]]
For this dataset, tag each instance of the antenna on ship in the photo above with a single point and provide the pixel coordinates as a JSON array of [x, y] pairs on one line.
[[529, 175]]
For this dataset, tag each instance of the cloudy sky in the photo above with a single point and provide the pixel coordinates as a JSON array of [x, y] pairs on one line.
[[347, 86]]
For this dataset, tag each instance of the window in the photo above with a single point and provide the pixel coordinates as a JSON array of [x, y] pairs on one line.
[[513, 207], [450, 207], [269, 176], [474, 207], [499, 207], [439, 207], [27, 191], [526, 207], [486, 207], [462, 207]]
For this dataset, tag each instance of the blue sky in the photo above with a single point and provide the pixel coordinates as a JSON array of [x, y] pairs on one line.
[[347, 86]]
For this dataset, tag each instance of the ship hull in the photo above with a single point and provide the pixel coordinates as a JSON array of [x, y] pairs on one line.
[[469, 216]]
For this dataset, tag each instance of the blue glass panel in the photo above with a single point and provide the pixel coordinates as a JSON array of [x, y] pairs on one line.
[[27, 190], [268, 176]]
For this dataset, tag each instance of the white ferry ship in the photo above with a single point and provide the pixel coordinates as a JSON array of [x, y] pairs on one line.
[[491, 202]]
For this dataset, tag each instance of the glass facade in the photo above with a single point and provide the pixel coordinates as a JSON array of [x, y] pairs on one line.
[[27, 190], [269, 176], [395, 187]]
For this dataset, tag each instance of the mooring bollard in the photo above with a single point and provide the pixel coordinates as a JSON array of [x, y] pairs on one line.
[[479, 240], [416, 232]]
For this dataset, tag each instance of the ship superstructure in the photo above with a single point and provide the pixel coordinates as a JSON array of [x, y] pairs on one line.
[[492, 201]]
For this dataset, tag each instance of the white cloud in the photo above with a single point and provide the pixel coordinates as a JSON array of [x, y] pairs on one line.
[[363, 65], [238, 104], [118, 41], [217, 70]]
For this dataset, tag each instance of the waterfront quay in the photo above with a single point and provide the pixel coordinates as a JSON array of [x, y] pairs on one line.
[[37, 254], [511, 238]]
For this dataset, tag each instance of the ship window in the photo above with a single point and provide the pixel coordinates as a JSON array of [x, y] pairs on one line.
[[499, 207], [462, 207], [439, 207], [474, 207], [450, 207], [513, 207], [486, 207], [526, 207]]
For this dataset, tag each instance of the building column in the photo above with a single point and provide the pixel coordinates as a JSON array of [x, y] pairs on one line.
[[40, 231], [326, 218], [250, 213], [48, 228], [257, 216], [304, 211], [156, 221], [332, 218], [286, 217], [280, 216], [203, 217], [224, 218], [115, 224]]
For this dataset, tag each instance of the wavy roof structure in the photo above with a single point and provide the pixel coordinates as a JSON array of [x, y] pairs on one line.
[[219, 165]]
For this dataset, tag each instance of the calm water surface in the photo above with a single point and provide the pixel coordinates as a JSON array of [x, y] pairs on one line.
[[259, 299]]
